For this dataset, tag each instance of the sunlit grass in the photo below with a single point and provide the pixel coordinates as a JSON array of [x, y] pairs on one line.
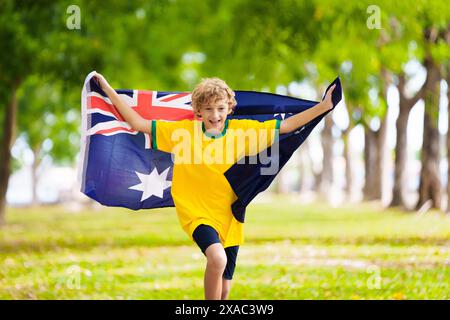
[[292, 251]]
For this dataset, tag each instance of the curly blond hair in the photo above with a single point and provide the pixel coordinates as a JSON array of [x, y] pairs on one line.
[[209, 91]]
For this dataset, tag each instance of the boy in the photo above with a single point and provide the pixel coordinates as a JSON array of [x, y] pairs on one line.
[[209, 146]]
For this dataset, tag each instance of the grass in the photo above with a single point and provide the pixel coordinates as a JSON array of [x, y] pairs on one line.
[[292, 251]]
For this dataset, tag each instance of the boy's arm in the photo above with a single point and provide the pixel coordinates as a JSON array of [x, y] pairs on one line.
[[296, 121], [132, 117]]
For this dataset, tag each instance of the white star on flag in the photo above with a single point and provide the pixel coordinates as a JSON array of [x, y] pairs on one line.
[[152, 184], [282, 115]]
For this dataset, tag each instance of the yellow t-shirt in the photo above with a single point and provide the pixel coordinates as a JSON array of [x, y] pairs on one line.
[[200, 191]]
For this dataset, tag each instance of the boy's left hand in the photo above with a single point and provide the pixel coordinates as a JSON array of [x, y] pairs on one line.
[[327, 101], [101, 81]]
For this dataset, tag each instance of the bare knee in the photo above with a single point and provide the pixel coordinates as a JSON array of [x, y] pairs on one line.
[[216, 257]]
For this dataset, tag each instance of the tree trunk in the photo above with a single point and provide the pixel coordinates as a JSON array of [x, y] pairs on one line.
[[380, 156], [9, 121], [448, 131], [35, 176], [448, 140], [398, 193], [326, 179], [369, 164], [386, 77], [374, 156], [348, 163], [401, 147], [303, 165], [316, 174], [430, 184]]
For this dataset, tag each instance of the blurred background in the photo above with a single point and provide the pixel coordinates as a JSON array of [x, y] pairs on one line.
[[370, 182]]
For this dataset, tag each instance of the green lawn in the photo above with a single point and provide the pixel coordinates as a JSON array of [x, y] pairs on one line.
[[292, 251]]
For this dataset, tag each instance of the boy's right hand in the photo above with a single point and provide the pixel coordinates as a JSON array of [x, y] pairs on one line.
[[101, 81]]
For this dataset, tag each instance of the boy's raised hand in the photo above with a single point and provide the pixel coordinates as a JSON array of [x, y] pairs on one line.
[[101, 81], [327, 101]]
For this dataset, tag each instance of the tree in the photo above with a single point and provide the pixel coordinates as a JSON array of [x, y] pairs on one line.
[[430, 183], [434, 19], [55, 134], [34, 41], [447, 79]]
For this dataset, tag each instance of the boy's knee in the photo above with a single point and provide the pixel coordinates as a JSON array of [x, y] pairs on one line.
[[218, 262], [216, 257]]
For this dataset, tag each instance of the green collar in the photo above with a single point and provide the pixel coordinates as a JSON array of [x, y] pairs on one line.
[[210, 135]]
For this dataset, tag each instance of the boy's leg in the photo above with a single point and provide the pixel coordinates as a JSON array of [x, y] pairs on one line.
[[208, 240], [226, 287], [215, 265], [231, 253]]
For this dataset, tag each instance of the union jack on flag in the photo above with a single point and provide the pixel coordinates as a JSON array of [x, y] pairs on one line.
[[149, 104], [117, 166]]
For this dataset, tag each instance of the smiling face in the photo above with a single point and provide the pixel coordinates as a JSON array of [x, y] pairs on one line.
[[214, 115], [213, 101]]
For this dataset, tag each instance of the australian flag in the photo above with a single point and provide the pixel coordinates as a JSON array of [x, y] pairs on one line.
[[118, 167]]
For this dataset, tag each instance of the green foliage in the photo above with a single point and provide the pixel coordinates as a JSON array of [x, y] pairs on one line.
[[170, 45], [49, 121], [262, 43], [38, 59]]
